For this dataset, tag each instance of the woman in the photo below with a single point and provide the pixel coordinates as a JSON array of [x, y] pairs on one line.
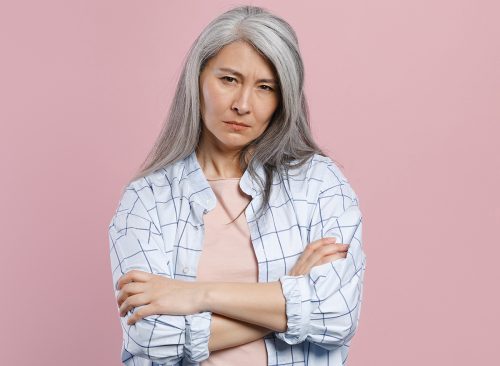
[[277, 284]]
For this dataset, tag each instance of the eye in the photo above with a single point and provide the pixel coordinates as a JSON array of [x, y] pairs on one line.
[[228, 77], [268, 87]]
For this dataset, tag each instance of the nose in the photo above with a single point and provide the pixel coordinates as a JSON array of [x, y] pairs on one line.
[[241, 102]]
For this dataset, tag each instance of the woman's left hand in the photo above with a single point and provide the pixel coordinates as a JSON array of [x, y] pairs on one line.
[[160, 294]]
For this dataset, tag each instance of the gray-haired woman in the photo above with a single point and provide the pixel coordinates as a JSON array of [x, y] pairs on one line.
[[281, 283]]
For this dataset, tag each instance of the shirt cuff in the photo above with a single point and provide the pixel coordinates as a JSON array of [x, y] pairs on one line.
[[197, 336], [296, 292]]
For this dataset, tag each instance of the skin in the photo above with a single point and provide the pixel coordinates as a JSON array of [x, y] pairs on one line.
[[241, 312], [225, 96]]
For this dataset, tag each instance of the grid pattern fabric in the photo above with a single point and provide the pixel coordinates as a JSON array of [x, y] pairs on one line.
[[158, 228]]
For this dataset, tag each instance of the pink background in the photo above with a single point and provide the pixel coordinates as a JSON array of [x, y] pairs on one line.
[[404, 94]]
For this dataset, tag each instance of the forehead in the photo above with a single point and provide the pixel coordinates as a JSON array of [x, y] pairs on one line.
[[242, 58]]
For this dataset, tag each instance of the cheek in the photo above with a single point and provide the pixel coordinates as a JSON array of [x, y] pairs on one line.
[[215, 100], [267, 113]]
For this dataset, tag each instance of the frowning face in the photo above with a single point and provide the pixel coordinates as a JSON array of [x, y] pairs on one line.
[[238, 84]]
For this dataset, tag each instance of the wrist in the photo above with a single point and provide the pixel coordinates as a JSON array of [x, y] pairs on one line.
[[204, 291]]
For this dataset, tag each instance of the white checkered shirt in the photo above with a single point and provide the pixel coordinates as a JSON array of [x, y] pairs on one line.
[[158, 228]]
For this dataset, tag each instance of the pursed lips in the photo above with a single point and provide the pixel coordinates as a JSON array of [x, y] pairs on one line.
[[237, 123]]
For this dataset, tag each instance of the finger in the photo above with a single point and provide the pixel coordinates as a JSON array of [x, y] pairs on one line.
[[133, 302], [341, 246], [130, 289], [323, 251], [310, 255], [132, 276], [332, 248], [323, 241], [316, 260], [320, 242], [309, 260], [313, 252], [329, 239], [140, 314], [315, 245], [331, 258]]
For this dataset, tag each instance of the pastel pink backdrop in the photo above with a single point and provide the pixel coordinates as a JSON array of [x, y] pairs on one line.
[[404, 94]]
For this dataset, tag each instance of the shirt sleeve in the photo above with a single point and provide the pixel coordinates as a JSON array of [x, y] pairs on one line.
[[136, 243], [324, 306]]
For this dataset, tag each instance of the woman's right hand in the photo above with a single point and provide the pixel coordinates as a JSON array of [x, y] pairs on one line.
[[318, 252]]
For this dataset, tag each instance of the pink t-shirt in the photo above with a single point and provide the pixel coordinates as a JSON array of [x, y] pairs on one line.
[[228, 256]]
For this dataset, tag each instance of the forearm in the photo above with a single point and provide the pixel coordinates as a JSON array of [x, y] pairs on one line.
[[226, 332], [262, 304]]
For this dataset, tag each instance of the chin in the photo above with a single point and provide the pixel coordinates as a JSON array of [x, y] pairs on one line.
[[231, 144]]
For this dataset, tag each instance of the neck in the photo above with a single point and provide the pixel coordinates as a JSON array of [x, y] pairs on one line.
[[217, 164]]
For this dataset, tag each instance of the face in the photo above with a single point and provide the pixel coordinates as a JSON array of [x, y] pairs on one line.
[[238, 84]]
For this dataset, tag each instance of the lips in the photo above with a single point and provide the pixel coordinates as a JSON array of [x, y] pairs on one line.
[[237, 123]]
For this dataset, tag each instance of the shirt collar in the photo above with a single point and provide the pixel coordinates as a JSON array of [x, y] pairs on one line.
[[200, 188]]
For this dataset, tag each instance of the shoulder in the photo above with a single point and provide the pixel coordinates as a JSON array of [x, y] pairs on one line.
[[159, 179], [332, 179], [324, 168], [140, 197], [319, 169], [148, 190]]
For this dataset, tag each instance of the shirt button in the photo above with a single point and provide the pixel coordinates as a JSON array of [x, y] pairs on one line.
[[185, 270]]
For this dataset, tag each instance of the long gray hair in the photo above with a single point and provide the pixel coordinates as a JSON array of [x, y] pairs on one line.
[[287, 137]]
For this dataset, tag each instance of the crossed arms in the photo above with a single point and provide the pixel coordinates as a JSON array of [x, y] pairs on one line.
[[243, 312]]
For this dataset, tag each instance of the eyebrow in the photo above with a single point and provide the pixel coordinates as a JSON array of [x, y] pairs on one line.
[[232, 71]]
